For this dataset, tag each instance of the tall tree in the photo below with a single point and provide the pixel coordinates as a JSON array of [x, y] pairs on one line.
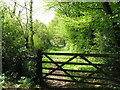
[[31, 24]]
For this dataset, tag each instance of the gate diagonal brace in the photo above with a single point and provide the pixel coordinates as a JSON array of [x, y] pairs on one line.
[[60, 67], [98, 70]]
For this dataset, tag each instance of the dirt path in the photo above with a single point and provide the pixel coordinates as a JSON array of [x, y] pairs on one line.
[[58, 84]]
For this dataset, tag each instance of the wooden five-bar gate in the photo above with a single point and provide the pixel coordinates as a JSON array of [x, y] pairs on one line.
[[88, 78], [42, 76]]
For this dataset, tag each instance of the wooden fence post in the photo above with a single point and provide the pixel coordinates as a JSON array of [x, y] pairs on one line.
[[39, 68]]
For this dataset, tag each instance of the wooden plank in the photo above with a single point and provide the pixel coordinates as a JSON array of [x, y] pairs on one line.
[[72, 63], [95, 83], [78, 76], [90, 55], [84, 71]]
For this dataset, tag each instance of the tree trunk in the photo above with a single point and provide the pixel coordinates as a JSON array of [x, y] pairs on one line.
[[31, 24]]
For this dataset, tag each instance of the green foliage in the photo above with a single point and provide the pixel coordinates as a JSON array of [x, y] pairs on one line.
[[41, 36], [57, 32], [12, 42], [25, 83], [87, 32]]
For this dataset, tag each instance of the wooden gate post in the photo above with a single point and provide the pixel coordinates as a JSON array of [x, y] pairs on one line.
[[39, 68]]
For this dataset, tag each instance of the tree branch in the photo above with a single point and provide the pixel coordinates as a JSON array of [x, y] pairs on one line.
[[21, 5], [93, 8]]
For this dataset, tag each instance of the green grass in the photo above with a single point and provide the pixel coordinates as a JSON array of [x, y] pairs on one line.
[[58, 50]]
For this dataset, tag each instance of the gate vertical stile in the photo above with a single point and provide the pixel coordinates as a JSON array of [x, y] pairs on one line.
[[39, 69]]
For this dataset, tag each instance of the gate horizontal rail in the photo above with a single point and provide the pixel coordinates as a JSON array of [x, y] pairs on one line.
[[78, 76], [84, 71], [72, 63], [76, 81]]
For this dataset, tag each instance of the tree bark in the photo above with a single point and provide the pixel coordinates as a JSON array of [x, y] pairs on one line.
[[107, 8]]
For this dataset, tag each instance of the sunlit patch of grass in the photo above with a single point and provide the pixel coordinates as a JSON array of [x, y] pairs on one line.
[[58, 50], [45, 71]]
